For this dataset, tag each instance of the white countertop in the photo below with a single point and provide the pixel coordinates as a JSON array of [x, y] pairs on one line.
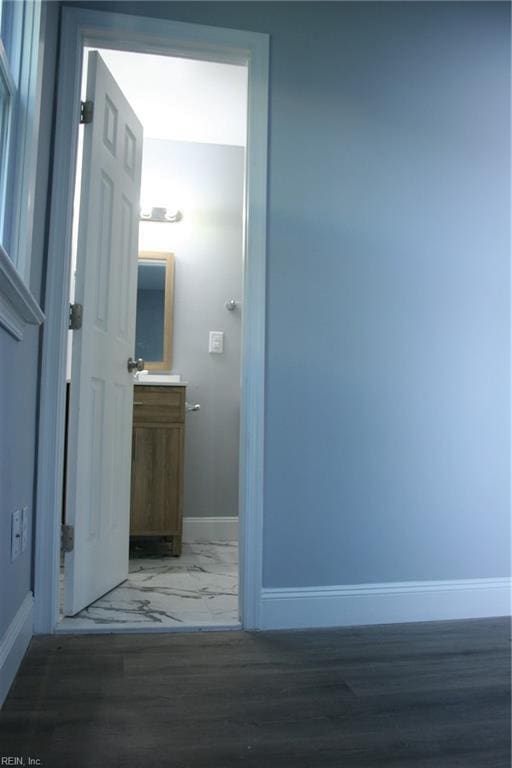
[[148, 383]]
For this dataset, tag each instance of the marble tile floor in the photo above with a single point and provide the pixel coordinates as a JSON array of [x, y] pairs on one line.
[[197, 590]]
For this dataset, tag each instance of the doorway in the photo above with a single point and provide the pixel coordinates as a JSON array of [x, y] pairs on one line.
[[88, 28], [183, 554]]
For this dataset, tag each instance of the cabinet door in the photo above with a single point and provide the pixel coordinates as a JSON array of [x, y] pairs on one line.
[[157, 491]]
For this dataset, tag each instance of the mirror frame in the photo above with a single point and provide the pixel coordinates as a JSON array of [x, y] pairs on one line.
[[168, 259]]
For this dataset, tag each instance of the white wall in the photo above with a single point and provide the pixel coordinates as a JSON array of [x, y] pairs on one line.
[[206, 181]]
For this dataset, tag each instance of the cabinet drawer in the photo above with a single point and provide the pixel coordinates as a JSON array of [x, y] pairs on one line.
[[158, 405]]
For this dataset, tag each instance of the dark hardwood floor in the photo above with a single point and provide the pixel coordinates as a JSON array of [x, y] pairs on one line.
[[430, 694]]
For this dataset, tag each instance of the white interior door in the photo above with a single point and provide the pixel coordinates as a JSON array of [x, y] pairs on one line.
[[101, 398]]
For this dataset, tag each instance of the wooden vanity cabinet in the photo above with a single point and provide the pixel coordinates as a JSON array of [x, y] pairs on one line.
[[157, 463]]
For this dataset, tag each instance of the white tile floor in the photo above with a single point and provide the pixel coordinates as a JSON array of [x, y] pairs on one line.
[[198, 589]]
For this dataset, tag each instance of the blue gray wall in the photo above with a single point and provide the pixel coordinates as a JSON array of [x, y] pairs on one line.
[[388, 357], [208, 181], [19, 382], [17, 440]]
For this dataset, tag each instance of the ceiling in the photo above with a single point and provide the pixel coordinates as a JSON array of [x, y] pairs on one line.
[[183, 99]]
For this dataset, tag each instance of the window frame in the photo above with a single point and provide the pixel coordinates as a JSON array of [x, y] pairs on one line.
[[21, 35], [20, 38], [6, 139]]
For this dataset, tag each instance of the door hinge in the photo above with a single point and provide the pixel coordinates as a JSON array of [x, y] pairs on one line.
[[67, 538], [86, 110], [75, 317]]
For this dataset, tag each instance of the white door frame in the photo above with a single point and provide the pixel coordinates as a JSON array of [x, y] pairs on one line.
[[79, 28]]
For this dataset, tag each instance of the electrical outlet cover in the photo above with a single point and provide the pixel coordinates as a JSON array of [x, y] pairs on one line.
[[24, 528], [216, 342], [16, 534]]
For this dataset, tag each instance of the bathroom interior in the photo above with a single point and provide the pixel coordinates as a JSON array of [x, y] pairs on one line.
[[183, 543]]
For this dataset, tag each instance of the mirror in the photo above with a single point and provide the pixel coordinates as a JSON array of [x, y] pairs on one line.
[[155, 287]]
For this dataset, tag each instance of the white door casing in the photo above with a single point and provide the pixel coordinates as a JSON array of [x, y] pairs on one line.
[[101, 397], [98, 28]]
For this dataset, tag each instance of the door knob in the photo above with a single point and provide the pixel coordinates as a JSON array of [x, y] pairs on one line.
[[190, 408], [135, 365]]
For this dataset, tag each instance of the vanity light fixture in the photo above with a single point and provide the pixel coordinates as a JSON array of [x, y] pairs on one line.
[[173, 215], [162, 215]]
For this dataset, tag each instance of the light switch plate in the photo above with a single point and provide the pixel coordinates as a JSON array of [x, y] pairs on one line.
[[24, 528], [16, 534], [216, 342]]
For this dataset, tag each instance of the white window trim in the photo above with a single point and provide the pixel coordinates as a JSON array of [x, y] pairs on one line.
[[25, 162], [6, 140], [17, 304]]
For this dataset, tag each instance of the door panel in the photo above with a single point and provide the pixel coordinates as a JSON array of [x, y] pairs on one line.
[[101, 399], [156, 480]]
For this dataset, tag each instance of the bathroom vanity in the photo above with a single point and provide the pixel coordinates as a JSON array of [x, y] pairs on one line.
[[158, 410], [157, 462]]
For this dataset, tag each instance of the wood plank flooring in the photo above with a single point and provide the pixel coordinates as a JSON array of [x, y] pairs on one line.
[[429, 695]]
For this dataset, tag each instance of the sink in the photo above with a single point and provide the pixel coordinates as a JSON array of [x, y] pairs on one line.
[[158, 378]]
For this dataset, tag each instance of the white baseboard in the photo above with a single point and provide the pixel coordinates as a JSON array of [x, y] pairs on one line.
[[384, 603], [210, 529], [14, 644]]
